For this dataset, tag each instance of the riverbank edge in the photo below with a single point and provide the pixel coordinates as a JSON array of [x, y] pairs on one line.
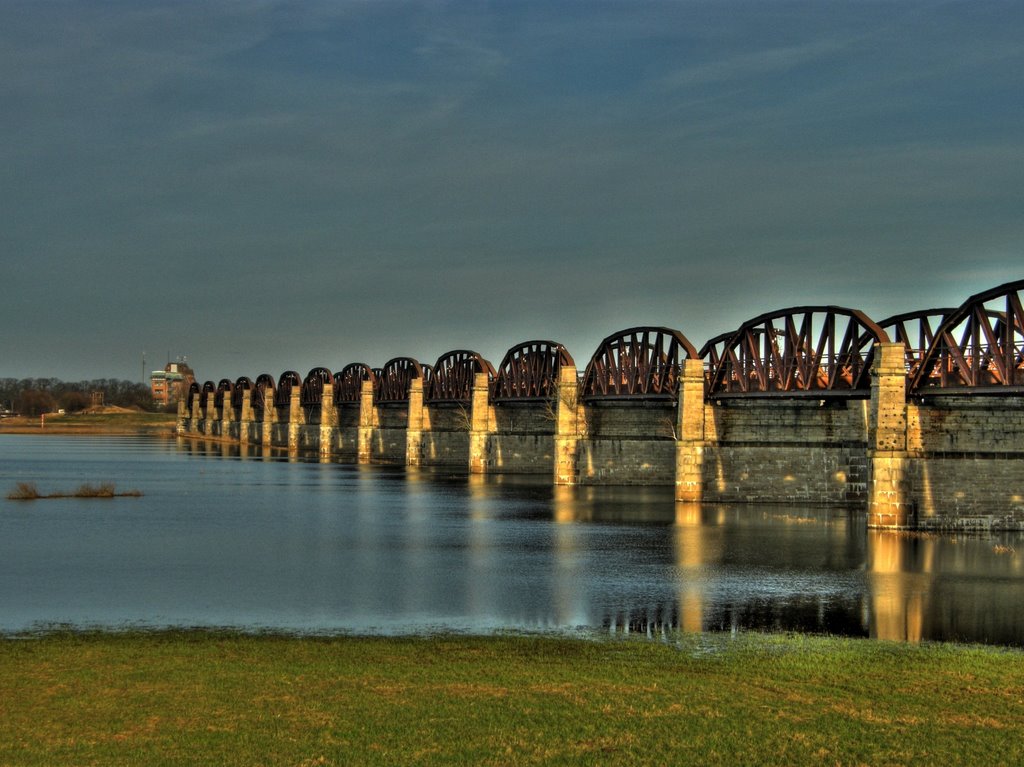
[[111, 424], [211, 696]]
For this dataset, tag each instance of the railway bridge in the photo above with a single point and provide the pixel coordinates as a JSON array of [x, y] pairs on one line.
[[917, 418]]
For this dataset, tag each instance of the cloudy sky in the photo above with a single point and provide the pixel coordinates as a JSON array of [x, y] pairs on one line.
[[271, 185]]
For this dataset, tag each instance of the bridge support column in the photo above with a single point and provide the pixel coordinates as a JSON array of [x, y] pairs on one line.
[[192, 414], [367, 421], [267, 425], [888, 501], [690, 433], [182, 425], [567, 431], [245, 420], [481, 423], [213, 416], [328, 420], [414, 424], [295, 418], [227, 416]]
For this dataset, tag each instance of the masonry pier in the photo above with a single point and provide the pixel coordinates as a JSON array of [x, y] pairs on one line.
[[813, 405]]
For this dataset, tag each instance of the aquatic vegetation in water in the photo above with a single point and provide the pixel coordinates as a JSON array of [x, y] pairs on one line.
[[27, 491]]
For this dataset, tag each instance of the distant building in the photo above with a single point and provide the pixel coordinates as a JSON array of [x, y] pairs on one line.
[[171, 384]]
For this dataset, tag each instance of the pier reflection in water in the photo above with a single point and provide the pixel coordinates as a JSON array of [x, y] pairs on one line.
[[739, 567], [233, 536]]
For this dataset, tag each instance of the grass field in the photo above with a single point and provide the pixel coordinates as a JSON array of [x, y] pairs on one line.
[[208, 698]]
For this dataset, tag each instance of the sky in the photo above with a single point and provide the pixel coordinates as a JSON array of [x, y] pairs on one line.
[[263, 186]]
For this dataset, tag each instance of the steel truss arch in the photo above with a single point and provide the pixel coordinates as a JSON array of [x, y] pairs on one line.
[[814, 351], [979, 348], [395, 378], [288, 380], [639, 363], [209, 388], [916, 331], [224, 386], [529, 371], [712, 352], [451, 377], [348, 383], [193, 390], [238, 390], [264, 391], [313, 387]]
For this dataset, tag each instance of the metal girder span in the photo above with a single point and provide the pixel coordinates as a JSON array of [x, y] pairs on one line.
[[916, 331], [224, 386], [820, 351], [451, 378], [313, 387], [238, 390], [348, 383], [288, 380], [638, 363], [529, 371], [979, 348], [394, 379], [264, 392]]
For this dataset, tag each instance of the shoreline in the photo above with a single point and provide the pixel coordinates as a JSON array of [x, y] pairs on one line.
[[95, 424], [708, 640]]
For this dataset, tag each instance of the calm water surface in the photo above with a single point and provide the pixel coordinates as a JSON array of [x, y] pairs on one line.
[[253, 542]]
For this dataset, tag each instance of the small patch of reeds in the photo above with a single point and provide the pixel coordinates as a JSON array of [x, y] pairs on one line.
[[27, 491], [24, 491]]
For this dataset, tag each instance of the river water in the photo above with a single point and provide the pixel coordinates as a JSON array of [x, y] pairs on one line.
[[254, 542]]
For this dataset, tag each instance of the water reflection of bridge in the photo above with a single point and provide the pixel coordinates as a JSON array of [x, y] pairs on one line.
[[712, 567], [908, 586]]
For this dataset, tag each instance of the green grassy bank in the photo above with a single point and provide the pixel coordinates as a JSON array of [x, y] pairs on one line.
[[201, 698]]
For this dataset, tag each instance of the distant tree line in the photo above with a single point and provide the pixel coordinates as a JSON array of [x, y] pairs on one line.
[[34, 396]]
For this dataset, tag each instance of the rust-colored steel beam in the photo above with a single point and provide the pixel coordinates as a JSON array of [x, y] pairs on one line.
[[394, 380], [979, 348], [313, 387], [193, 390], [264, 391], [916, 331], [529, 372], [451, 378], [240, 386], [288, 380], [224, 386], [814, 351], [348, 383], [712, 352], [639, 363], [209, 388]]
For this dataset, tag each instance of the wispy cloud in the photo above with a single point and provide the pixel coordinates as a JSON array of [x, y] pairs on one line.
[[383, 177], [749, 67]]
